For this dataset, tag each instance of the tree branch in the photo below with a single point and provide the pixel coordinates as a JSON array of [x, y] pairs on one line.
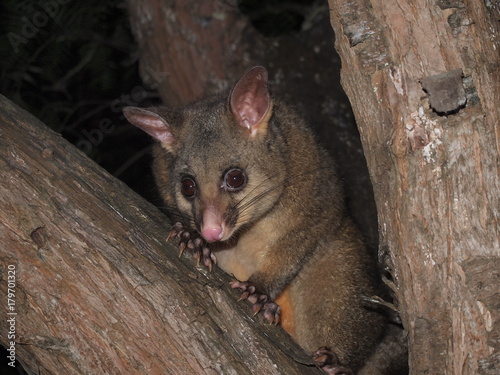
[[97, 289]]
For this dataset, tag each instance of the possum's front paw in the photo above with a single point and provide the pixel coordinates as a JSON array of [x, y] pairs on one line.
[[261, 302], [328, 361], [195, 243]]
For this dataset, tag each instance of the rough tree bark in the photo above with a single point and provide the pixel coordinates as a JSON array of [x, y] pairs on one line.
[[94, 287], [195, 47], [435, 174]]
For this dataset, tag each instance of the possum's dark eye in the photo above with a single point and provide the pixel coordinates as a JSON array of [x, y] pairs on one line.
[[234, 179], [188, 187]]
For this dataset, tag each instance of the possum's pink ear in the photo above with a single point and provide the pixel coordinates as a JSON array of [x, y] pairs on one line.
[[151, 122], [250, 101]]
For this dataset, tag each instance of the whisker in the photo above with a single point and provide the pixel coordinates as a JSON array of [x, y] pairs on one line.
[[244, 204]]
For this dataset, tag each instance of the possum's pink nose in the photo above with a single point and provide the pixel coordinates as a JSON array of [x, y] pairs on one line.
[[212, 227], [212, 234]]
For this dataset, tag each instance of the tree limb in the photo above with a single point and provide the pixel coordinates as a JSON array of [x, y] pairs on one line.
[[97, 289]]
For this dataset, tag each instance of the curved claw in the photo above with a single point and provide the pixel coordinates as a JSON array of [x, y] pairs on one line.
[[208, 258], [244, 296], [260, 302], [245, 287], [197, 245], [272, 312], [257, 299], [328, 361], [176, 230]]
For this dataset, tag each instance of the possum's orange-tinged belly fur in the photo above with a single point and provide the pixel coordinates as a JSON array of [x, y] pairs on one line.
[[287, 319]]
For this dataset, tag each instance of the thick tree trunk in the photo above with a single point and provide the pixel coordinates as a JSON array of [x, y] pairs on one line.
[[191, 48], [94, 288], [435, 175]]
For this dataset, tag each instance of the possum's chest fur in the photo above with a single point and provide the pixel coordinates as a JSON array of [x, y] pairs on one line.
[[250, 252], [248, 255], [237, 262]]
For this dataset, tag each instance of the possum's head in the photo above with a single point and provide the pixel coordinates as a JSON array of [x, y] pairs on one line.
[[226, 163]]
